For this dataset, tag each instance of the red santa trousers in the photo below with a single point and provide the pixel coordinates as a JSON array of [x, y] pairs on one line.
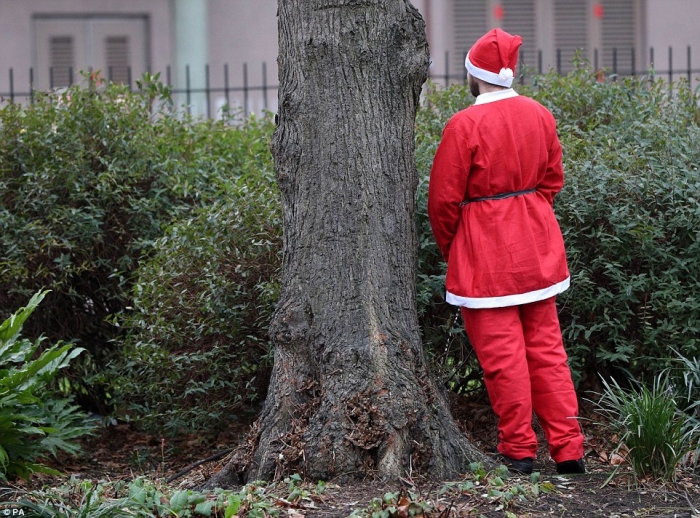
[[521, 352]]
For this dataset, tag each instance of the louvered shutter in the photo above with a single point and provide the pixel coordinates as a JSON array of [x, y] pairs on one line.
[[117, 59], [519, 18], [61, 61], [470, 19], [570, 31], [618, 32]]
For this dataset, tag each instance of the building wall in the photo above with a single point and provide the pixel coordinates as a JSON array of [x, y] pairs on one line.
[[675, 25], [243, 33], [18, 31], [569, 24]]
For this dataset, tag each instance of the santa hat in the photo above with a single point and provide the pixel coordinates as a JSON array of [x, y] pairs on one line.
[[493, 57]]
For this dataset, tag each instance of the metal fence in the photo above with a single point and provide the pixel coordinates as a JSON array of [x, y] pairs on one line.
[[210, 100], [622, 63]]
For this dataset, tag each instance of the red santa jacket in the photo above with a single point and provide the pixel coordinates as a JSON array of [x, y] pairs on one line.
[[508, 251]]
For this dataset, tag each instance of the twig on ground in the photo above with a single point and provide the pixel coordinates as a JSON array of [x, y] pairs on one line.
[[693, 511], [189, 468]]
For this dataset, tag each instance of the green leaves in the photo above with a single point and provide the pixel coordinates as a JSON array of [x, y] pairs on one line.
[[649, 426], [90, 179], [629, 215], [34, 420], [76, 498], [202, 302], [9, 329]]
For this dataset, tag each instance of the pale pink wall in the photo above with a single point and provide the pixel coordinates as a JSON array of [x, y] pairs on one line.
[[676, 24], [17, 36], [244, 31]]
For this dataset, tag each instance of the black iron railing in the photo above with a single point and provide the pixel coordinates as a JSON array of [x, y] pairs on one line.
[[250, 97]]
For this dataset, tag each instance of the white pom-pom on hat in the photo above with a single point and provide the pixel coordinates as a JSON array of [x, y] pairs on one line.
[[506, 73]]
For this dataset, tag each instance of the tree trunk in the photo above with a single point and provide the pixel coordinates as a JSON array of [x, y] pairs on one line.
[[350, 393]]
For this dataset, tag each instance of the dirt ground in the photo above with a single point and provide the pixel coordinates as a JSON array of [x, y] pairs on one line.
[[121, 452]]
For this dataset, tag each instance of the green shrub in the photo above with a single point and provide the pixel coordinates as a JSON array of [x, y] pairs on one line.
[[630, 213], [196, 347], [34, 420], [649, 425], [89, 179], [85, 185], [685, 375]]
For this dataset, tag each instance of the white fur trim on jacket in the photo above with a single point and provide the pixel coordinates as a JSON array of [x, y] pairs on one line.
[[490, 97], [508, 300]]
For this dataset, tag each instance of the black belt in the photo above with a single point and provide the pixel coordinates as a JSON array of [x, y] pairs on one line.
[[498, 196]]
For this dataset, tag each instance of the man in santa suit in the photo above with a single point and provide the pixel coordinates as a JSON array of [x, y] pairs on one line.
[[490, 202]]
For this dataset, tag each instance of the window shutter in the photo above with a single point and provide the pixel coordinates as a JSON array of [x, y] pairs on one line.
[[61, 61], [618, 25], [519, 18], [117, 59], [470, 23], [570, 31]]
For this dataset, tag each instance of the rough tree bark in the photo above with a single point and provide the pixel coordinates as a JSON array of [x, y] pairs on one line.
[[350, 392]]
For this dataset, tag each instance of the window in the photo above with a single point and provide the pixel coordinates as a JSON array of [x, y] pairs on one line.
[[519, 18], [606, 33], [618, 35], [570, 32], [471, 20], [117, 59], [116, 46], [62, 61]]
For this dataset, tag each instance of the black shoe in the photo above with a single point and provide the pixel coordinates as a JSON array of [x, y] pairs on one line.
[[571, 466], [523, 466]]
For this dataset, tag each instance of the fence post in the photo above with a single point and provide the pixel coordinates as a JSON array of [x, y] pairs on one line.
[[264, 85], [207, 90], [447, 68], [539, 61], [615, 63], [634, 62], [465, 73], [12, 86], [595, 60], [559, 61], [651, 61], [670, 66], [245, 89], [31, 85], [187, 89], [226, 89], [522, 66], [690, 72]]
